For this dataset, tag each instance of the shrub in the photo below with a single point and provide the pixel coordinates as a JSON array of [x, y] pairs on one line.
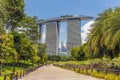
[[98, 75], [83, 72], [101, 75], [1, 77], [78, 71], [117, 78], [110, 77], [94, 73]]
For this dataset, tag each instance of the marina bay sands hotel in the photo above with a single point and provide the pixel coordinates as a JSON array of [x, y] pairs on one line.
[[53, 30]]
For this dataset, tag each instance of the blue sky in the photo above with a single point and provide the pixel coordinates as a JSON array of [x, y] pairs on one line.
[[54, 8]]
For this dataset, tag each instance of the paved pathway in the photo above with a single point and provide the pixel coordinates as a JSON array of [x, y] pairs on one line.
[[50, 72]]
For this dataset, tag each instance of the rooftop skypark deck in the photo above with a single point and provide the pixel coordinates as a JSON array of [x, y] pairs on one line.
[[65, 18]]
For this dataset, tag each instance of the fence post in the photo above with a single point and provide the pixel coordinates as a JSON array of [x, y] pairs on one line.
[[17, 76], [106, 71], [98, 70], [117, 72], [20, 74], [91, 69], [86, 70], [5, 77], [79, 69], [13, 69], [11, 78], [74, 68], [82, 68], [23, 73]]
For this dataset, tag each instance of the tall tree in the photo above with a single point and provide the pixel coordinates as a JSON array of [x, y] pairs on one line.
[[26, 49], [15, 9], [3, 15], [30, 27], [104, 39], [7, 50]]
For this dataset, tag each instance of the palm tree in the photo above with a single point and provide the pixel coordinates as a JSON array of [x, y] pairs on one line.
[[104, 37]]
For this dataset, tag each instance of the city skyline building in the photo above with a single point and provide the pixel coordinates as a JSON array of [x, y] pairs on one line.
[[52, 37], [73, 34], [63, 48], [53, 29]]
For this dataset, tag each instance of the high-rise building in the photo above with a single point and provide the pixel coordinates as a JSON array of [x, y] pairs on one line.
[[73, 32], [52, 38]]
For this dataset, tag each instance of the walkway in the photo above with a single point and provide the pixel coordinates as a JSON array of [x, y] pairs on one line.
[[50, 72]]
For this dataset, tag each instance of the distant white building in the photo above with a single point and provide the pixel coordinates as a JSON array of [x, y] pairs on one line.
[[63, 48]]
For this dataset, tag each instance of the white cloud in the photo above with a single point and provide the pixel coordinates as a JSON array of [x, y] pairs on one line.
[[85, 28]]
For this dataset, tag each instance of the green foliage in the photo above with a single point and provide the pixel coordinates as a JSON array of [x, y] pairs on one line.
[[19, 37], [101, 74], [105, 62], [3, 15], [42, 52], [7, 50], [22, 45], [26, 49], [85, 62], [53, 58], [74, 53], [64, 58], [77, 53], [15, 10], [1, 77], [31, 28], [86, 50], [98, 75], [58, 58], [110, 77], [83, 72], [104, 37]]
